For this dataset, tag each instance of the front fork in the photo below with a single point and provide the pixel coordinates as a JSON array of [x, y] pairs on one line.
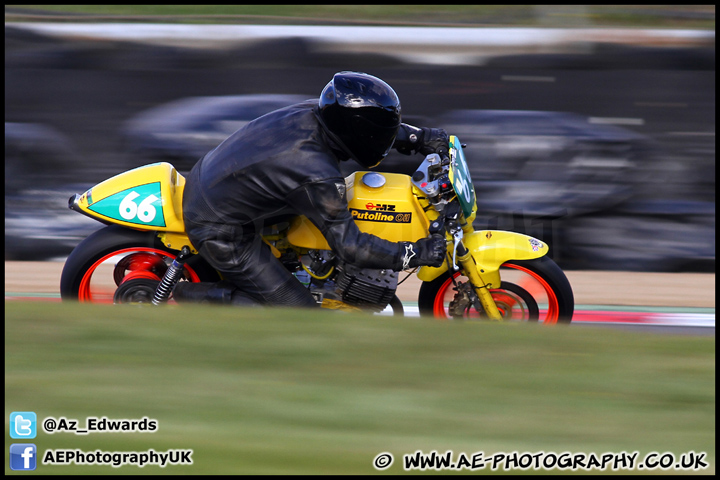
[[462, 256], [470, 268]]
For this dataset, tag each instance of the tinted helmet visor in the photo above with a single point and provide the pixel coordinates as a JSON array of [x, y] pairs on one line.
[[370, 140]]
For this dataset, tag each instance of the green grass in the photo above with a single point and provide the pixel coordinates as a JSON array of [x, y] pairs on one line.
[[296, 392]]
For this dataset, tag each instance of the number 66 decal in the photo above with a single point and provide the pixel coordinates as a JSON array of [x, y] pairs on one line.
[[144, 211], [141, 205]]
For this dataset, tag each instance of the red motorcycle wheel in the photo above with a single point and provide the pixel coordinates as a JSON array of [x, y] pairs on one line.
[[114, 255], [532, 290]]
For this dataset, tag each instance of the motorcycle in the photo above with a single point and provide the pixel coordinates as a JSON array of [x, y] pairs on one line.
[[487, 275]]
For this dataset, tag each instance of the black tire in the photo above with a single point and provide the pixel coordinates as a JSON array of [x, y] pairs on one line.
[[116, 238], [397, 306], [543, 269]]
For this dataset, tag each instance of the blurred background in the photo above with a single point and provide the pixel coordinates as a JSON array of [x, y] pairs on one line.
[[590, 127]]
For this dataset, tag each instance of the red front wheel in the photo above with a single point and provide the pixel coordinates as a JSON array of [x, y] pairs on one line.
[[117, 264], [531, 290]]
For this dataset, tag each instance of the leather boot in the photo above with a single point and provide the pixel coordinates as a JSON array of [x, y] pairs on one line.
[[242, 299]]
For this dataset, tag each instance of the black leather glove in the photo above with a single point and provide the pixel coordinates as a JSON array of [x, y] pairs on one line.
[[426, 251], [421, 140], [434, 140]]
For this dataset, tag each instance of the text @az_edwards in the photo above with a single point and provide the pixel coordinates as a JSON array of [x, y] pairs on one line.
[[94, 424]]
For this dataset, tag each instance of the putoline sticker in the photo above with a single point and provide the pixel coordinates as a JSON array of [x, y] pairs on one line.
[[141, 205], [384, 217]]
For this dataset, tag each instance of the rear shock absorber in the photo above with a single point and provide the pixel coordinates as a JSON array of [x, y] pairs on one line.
[[171, 277]]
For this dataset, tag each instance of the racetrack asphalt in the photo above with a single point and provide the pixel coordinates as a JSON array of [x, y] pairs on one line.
[[663, 302]]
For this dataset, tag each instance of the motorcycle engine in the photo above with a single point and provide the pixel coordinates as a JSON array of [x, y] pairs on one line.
[[366, 288]]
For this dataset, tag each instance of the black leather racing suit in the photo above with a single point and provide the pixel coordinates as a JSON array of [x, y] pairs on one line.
[[278, 166]]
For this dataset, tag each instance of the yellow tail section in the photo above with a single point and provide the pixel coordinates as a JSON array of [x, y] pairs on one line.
[[145, 198]]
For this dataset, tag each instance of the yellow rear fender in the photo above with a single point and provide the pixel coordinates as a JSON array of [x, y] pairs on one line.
[[490, 249]]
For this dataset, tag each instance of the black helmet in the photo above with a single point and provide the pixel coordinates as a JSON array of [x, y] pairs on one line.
[[364, 114]]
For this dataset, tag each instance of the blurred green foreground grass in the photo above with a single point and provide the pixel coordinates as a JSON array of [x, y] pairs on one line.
[[296, 392]]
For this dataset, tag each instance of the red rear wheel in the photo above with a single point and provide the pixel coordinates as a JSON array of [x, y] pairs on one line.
[[98, 283], [113, 256]]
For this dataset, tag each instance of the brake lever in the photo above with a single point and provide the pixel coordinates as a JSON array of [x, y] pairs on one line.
[[451, 225], [457, 234]]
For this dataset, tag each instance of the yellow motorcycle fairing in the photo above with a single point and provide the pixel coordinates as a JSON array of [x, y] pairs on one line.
[[489, 250], [144, 198], [382, 204]]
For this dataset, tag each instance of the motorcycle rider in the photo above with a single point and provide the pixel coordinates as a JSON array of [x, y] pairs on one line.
[[286, 163]]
